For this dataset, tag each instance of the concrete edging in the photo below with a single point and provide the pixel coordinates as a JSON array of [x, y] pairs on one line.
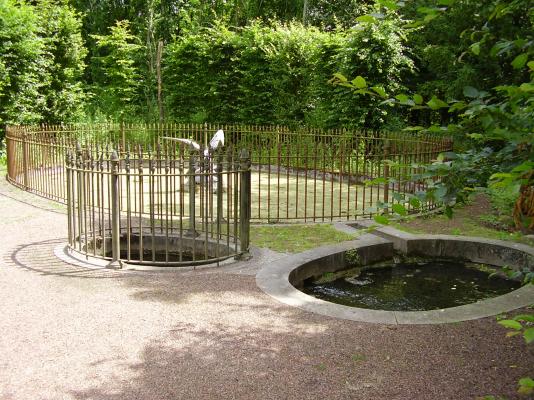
[[65, 254], [274, 279]]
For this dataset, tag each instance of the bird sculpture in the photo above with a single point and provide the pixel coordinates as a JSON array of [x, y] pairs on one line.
[[216, 141]]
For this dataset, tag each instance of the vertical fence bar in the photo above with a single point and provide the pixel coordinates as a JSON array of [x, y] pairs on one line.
[[387, 149], [244, 206], [191, 231], [69, 209], [115, 212], [25, 153]]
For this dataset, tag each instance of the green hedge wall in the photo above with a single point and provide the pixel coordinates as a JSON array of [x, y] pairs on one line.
[[279, 75]]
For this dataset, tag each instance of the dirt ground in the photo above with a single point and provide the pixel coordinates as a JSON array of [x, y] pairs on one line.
[[67, 332]]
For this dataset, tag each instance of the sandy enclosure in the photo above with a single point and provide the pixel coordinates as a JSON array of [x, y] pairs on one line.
[[274, 197]]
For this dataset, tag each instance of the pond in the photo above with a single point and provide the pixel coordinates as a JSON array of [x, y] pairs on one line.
[[413, 286]]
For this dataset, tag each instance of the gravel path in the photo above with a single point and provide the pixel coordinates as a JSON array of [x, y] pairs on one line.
[[71, 333]]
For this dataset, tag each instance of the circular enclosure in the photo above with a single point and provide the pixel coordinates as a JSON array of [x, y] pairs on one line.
[[133, 207], [283, 280], [296, 174]]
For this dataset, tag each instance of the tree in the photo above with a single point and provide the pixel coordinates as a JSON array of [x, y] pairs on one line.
[[22, 63], [65, 53], [41, 57], [117, 87]]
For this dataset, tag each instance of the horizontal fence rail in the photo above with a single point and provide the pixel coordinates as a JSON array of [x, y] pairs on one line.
[[296, 175], [166, 206]]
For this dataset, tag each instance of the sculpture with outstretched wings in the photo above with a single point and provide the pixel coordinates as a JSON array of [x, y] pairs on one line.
[[216, 141]]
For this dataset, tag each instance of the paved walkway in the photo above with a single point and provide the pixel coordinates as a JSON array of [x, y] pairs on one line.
[[71, 333]]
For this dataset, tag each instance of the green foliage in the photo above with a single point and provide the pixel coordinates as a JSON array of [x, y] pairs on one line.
[[523, 325], [503, 199], [498, 120], [41, 61], [65, 52], [117, 89], [352, 258], [280, 74], [22, 64]]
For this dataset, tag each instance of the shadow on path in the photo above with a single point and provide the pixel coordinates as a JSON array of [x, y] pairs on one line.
[[39, 257], [27, 203]]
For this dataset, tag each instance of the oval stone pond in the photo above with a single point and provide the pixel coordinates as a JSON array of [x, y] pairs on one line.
[[411, 285]]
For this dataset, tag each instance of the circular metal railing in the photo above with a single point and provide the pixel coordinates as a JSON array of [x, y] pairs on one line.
[[302, 175], [166, 207]]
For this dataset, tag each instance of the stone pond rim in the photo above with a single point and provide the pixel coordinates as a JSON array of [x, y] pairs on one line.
[[280, 280]]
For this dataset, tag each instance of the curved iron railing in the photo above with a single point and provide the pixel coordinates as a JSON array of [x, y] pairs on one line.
[[297, 175], [167, 207]]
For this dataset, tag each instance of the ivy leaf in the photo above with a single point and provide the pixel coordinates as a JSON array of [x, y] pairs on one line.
[[524, 317], [457, 106], [381, 219], [399, 209], [526, 87], [341, 77], [405, 100], [377, 15], [398, 196], [376, 181], [530, 65], [359, 82], [380, 91], [435, 104], [441, 191], [366, 19], [470, 91], [418, 99], [520, 61], [526, 386], [475, 136], [475, 48], [528, 334], [390, 5], [510, 324], [415, 202], [529, 382]]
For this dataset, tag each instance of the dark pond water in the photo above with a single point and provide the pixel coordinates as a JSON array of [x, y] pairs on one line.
[[425, 285]]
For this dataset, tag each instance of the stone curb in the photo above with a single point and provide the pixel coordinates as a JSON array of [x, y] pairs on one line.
[[274, 279]]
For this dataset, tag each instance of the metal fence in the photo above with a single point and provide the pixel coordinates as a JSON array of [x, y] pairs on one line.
[[297, 175], [163, 206]]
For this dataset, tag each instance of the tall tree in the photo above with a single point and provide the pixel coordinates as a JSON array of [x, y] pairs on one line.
[[65, 53], [22, 63], [117, 89]]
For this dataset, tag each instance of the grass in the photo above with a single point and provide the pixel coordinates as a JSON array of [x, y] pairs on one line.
[[470, 227], [475, 219], [296, 238]]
